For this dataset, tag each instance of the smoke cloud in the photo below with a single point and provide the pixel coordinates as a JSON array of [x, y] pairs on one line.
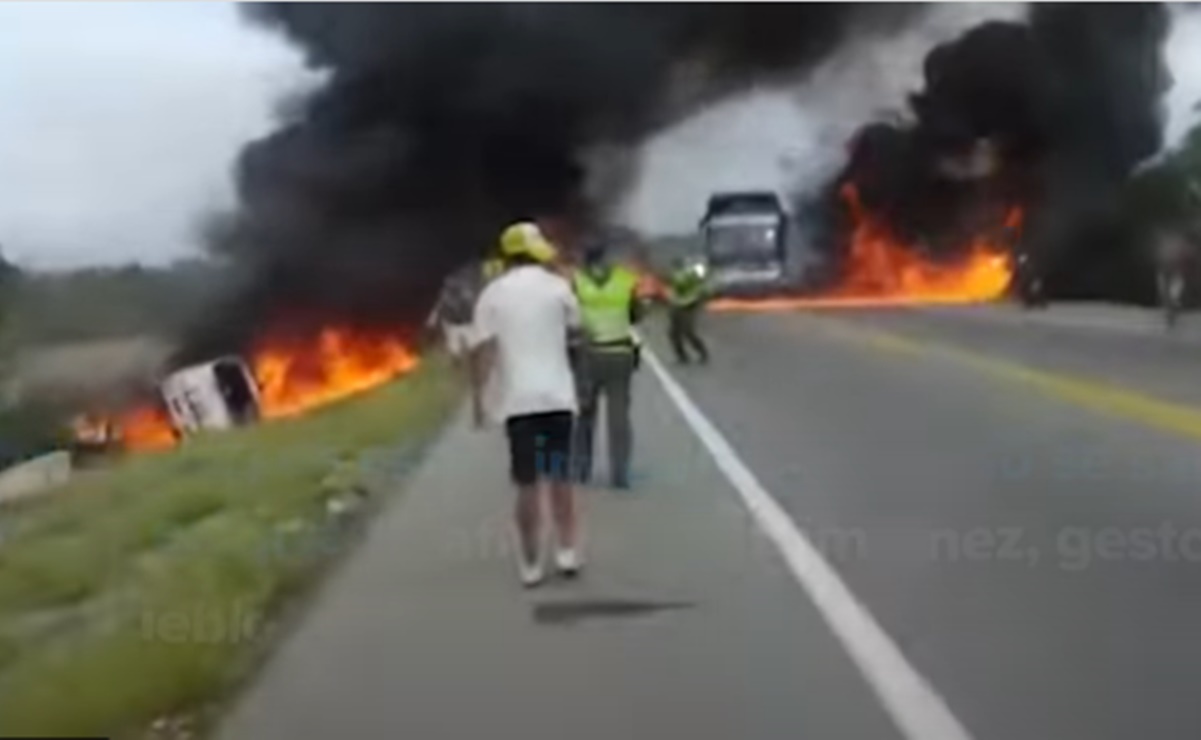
[[790, 137], [1052, 114], [437, 124]]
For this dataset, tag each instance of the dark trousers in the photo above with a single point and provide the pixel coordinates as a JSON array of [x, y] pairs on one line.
[[608, 374], [681, 329]]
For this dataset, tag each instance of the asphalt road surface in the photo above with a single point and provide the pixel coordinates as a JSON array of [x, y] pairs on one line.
[[938, 524]]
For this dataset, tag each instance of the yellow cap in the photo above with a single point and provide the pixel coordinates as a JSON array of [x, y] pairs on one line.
[[526, 239]]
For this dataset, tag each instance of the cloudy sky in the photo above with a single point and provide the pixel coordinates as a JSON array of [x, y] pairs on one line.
[[119, 122]]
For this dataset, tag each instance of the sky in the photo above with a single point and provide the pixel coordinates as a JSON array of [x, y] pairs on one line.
[[120, 123], [1183, 55]]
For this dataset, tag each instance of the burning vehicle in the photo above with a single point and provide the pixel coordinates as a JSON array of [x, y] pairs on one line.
[[221, 394], [216, 395], [282, 375]]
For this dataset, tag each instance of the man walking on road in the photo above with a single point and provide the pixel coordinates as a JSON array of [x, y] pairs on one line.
[[608, 358], [686, 294], [522, 321]]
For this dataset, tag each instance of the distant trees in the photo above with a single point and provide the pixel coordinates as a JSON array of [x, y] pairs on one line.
[[54, 308], [99, 303], [1169, 191]]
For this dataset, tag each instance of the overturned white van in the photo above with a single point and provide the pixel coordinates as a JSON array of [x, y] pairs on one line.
[[220, 394]]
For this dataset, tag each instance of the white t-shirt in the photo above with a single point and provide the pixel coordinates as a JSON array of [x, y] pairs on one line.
[[528, 311]]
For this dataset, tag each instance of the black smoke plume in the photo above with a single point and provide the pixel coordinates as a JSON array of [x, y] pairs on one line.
[[1069, 103], [437, 124]]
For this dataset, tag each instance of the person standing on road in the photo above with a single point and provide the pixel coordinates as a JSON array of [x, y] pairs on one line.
[[521, 327], [609, 355], [687, 291]]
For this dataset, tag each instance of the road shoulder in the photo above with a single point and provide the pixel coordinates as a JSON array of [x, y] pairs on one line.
[[686, 623]]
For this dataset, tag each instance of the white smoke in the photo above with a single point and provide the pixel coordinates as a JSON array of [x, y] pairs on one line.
[[1183, 55], [788, 139]]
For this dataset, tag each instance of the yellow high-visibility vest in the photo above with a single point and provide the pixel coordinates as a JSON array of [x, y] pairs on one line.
[[605, 306], [493, 268], [686, 288]]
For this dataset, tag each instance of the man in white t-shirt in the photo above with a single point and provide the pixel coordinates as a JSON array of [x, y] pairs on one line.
[[521, 326]]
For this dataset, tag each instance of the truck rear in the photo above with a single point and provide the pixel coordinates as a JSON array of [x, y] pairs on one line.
[[745, 237]]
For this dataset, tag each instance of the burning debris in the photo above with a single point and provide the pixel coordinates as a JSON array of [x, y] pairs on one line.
[[1045, 118], [293, 378], [144, 428], [284, 376], [877, 266]]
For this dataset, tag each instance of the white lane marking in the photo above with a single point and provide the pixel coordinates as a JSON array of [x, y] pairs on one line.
[[916, 708]]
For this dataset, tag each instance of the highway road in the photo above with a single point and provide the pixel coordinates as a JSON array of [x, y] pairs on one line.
[[1007, 510]]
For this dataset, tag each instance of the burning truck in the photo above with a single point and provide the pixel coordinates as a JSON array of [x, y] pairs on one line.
[[220, 394], [215, 395], [281, 376]]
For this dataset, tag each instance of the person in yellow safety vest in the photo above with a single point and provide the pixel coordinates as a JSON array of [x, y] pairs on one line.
[[492, 268], [607, 359], [687, 290]]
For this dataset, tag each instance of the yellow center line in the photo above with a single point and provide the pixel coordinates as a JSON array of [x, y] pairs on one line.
[[1093, 395]]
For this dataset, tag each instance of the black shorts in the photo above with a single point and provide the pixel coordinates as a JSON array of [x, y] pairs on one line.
[[540, 446]]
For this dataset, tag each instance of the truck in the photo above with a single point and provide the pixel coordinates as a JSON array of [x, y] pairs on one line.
[[219, 394], [746, 244], [215, 395]]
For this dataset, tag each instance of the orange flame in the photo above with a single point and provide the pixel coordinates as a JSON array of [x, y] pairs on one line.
[[649, 287], [91, 429], [294, 377], [884, 272], [146, 428]]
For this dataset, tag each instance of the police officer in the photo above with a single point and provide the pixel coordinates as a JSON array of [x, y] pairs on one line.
[[608, 357], [687, 290]]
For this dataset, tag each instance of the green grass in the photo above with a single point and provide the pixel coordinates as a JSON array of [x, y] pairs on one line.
[[96, 580]]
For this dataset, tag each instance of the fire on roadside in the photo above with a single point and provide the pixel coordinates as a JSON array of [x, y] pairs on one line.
[[294, 375], [882, 271], [145, 428]]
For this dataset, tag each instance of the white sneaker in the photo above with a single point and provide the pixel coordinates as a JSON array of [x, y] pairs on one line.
[[567, 560], [532, 574]]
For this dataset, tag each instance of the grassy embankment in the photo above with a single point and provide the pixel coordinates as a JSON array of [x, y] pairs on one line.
[[150, 590]]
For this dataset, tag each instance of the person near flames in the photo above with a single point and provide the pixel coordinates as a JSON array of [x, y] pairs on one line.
[[1028, 279], [522, 377], [453, 310], [608, 357], [687, 290]]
